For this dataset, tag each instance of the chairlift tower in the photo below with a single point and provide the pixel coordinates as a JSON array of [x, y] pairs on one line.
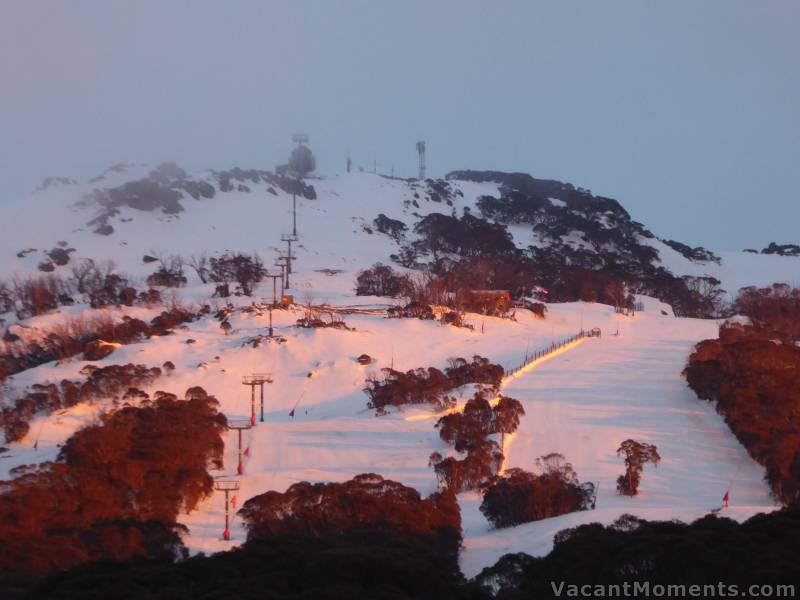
[[281, 262], [275, 278], [421, 153], [253, 380], [284, 261], [289, 238], [227, 486], [240, 425]]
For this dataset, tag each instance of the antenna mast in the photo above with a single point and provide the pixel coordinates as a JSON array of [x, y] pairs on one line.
[[421, 152]]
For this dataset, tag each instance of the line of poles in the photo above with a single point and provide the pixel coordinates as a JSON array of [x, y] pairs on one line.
[[240, 425], [553, 347], [284, 261]]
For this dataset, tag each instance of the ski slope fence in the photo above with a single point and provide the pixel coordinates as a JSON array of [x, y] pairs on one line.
[[554, 347]]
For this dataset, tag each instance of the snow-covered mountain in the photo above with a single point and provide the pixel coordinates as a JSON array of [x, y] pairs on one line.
[[130, 211], [580, 402]]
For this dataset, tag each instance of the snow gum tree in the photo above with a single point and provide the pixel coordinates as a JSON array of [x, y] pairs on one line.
[[637, 455]]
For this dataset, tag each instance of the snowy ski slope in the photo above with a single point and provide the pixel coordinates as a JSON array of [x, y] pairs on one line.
[[581, 402]]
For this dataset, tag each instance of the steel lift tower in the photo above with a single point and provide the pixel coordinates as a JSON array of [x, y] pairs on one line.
[[256, 379], [240, 425], [227, 486]]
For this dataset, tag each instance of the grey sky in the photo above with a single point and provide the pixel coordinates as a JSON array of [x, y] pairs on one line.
[[684, 110]]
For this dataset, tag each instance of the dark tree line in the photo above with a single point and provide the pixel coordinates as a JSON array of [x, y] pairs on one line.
[[464, 429], [332, 567], [382, 280], [368, 503], [245, 270], [429, 386], [391, 227], [114, 382], [468, 432], [780, 249], [610, 265], [754, 379], [76, 336], [96, 283], [520, 496], [468, 236], [775, 308], [116, 488], [169, 273], [752, 373], [697, 254], [762, 550]]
